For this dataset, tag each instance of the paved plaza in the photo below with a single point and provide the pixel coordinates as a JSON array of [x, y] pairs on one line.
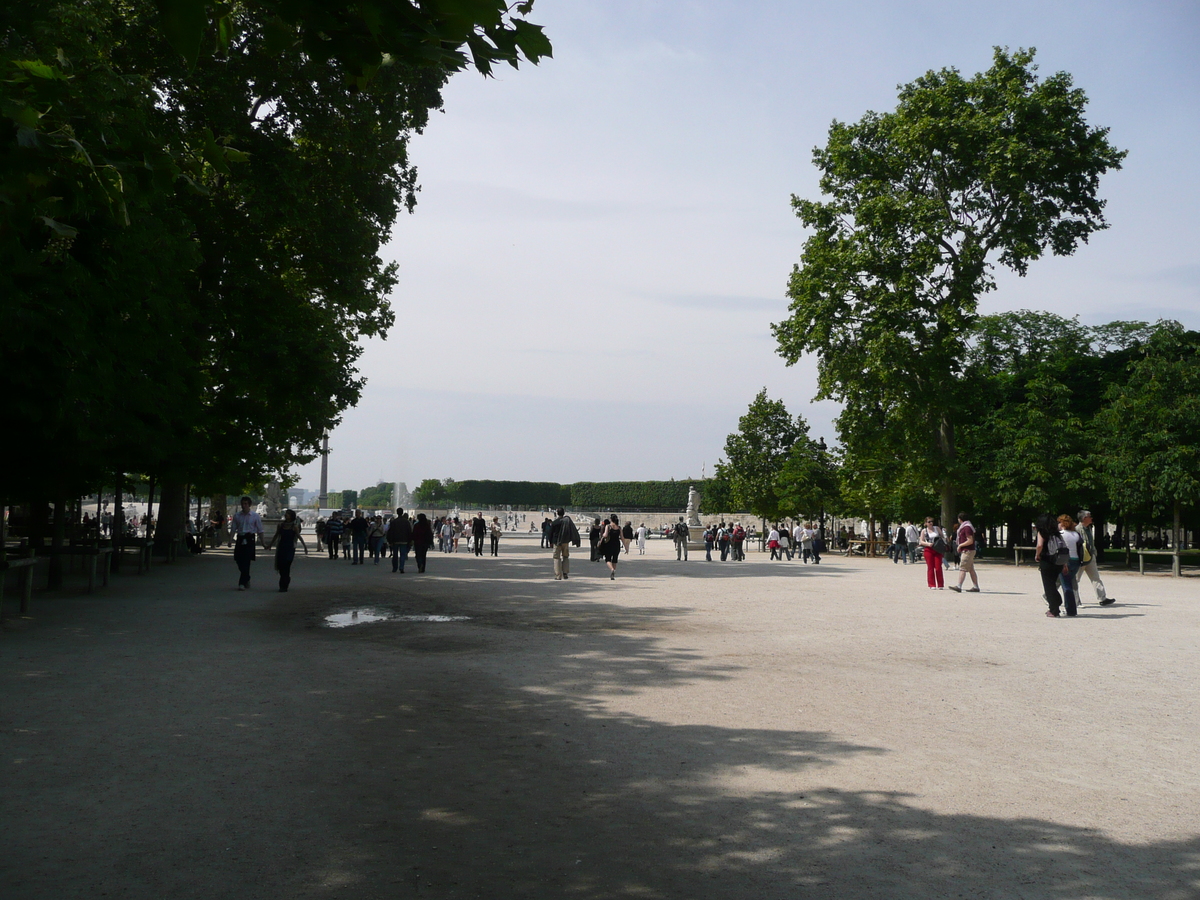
[[692, 730]]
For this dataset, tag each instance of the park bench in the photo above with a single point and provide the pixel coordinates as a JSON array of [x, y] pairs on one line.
[[1017, 551], [93, 559], [24, 566], [141, 547], [1175, 567], [865, 547]]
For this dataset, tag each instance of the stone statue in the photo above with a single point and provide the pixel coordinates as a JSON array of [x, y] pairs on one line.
[[274, 500], [693, 506]]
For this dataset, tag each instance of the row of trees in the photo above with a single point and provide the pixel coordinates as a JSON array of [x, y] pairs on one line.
[[193, 196], [609, 495], [1060, 416]]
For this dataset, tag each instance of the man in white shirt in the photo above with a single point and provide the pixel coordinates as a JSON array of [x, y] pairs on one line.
[[247, 530], [913, 536]]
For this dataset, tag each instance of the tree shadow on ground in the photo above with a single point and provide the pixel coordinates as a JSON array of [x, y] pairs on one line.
[[368, 767]]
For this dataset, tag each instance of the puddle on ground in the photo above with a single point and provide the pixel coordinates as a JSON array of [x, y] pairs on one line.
[[365, 616]]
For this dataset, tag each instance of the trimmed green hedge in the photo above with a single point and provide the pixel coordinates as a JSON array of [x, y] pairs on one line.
[[661, 496]]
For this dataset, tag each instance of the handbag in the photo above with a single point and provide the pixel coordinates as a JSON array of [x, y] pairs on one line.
[[940, 547]]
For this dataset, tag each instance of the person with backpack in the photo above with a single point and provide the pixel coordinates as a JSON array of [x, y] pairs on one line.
[[681, 539], [422, 540], [563, 534], [1053, 557], [737, 541]]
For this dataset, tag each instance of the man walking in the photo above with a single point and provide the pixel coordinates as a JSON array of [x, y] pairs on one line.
[[681, 539], [563, 534], [913, 538], [478, 531], [964, 542], [359, 526], [1093, 571], [334, 529], [247, 529], [399, 538]]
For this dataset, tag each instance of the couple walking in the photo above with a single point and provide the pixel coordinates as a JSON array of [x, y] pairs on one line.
[[564, 534], [935, 546]]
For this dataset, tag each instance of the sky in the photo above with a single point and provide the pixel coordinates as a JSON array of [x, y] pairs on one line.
[[602, 241]]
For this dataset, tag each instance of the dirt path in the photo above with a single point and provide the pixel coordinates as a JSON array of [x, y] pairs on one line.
[[756, 730]]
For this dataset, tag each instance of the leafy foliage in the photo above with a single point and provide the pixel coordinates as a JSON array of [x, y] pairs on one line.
[[923, 202]]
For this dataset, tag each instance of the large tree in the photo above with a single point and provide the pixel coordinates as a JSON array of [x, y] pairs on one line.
[[923, 203], [758, 452]]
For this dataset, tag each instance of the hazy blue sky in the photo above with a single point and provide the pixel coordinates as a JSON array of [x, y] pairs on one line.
[[602, 241]]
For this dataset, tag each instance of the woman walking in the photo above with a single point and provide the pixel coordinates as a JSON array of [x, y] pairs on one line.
[[1074, 542], [422, 540], [1052, 558], [773, 543], [610, 545], [933, 539], [287, 533]]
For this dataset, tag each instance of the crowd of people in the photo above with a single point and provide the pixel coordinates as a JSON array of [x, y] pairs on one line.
[[1065, 545]]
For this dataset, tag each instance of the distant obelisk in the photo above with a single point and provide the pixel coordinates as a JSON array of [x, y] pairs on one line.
[[323, 497]]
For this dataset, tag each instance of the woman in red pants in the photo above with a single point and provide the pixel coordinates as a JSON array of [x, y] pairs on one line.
[[933, 560]]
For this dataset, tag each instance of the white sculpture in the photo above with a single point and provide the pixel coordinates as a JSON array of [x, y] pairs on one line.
[[693, 506], [274, 500]]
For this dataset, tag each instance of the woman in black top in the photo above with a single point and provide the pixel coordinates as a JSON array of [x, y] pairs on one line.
[[610, 545], [287, 533], [1050, 548]]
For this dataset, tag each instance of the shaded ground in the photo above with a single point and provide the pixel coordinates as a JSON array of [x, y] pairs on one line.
[[759, 730]]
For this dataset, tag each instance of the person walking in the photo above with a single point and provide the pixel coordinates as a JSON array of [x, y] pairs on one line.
[[933, 540], [610, 545], [968, 549], [1052, 558], [626, 536], [494, 533], [320, 532], [773, 543], [375, 538], [287, 533], [738, 540], [710, 538], [681, 540], [806, 541], [479, 530], [447, 535], [818, 544], [247, 531], [422, 540], [399, 538], [1089, 564], [334, 530], [359, 526], [1074, 541], [563, 534], [594, 539], [642, 533], [912, 536], [785, 541]]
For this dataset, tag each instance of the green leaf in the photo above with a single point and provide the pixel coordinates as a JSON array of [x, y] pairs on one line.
[[39, 69], [58, 227], [23, 115], [183, 23]]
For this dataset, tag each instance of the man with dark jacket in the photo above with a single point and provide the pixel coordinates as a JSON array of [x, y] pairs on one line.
[[594, 539], [399, 537], [563, 534], [478, 532]]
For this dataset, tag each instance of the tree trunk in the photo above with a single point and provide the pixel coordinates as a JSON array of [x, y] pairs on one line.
[[172, 510], [54, 578], [946, 446]]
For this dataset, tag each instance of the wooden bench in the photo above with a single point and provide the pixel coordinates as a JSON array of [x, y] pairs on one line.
[[24, 566], [93, 559], [1176, 561], [1017, 551], [862, 546]]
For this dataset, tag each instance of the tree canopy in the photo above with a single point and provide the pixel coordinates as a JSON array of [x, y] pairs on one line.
[[922, 203]]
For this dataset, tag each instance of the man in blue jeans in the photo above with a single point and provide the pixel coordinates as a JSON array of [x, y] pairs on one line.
[[399, 537], [359, 527]]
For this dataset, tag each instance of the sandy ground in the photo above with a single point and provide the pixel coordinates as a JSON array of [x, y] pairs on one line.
[[754, 730]]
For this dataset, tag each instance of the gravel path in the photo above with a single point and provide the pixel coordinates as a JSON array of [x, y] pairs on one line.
[[691, 730]]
